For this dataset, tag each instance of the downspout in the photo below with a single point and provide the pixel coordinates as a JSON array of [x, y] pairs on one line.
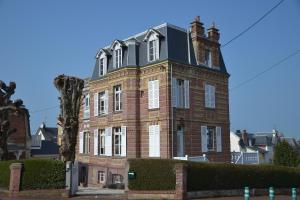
[[188, 43], [172, 110]]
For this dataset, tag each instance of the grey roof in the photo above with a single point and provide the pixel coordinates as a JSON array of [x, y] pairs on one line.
[[50, 133], [263, 140], [173, 46], [47, 148]]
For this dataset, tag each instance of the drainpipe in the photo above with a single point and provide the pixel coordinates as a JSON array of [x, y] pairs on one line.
[[188, 44], [172, 111]]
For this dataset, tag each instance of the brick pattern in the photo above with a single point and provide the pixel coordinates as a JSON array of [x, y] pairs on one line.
[[15, 177], [181, 181]]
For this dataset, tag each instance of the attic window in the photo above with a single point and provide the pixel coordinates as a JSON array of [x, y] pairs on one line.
[[207, 58], [102, 62], [117, 48], [153, 48]]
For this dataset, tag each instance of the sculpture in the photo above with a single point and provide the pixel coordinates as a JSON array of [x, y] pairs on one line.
[[7, 108], [70, 89]]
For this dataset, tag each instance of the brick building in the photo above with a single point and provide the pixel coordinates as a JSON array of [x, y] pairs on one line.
[[162, 93]]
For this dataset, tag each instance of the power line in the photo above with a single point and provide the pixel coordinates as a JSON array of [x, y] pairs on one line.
[[252, 25], [44, 109], [266, 70]]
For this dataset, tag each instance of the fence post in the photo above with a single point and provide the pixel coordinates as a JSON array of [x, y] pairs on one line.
[[294, 194], [271, 193], [246, 193], [181, 181], [242, 157], [15, 177]]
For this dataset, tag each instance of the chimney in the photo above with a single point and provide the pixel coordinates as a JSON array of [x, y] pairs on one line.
[[245, 137], [197, 28], [213, 33]]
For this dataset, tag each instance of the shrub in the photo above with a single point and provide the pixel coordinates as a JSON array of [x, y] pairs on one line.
[[43, 174], [159, 174], [152, 174], [5, 173], [286, 155]]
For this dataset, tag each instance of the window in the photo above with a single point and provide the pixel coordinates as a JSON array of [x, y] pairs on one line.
[[153, 94], [101, 66], [117, 141], [86, 143], [101, 106], [117, 178], [118, 98], [210, 96], [153, 49], [86, 111], [207, 58], [101, 177], [180, 93], [211, 138], [180, 142], [118, 58], [101, 142], [154, 141]]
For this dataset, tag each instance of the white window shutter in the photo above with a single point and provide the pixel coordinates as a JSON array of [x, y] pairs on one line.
[[108, 141], [105, 65], [155, 94], [151, 140], [123, 141], [174, 92], [156, 49], [212, 96], [81, 142], [106, 102], [96, 104], [204, 138], [96, 142], [150, 94], [207, 94], [219, 139], [186, 93], [157, 141]]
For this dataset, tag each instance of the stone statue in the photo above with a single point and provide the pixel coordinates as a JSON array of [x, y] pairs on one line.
[[7, 108], [70, 89]]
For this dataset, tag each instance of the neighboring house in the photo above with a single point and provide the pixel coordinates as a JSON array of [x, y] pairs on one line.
[[44, 143], [261, 143], [162, 93], [19, 142]]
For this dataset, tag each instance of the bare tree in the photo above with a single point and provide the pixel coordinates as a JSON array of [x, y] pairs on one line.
[[70, 89], [7, 108]]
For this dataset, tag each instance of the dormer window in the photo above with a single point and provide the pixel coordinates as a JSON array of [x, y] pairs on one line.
[[208, 58], [152, 38], [117, 48], [102, 61]]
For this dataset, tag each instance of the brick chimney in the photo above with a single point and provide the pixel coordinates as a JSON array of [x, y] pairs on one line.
[[198, 36], [213, 33], [197, 28]]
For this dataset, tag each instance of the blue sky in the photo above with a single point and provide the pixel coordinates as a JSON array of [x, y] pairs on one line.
[[42, 39]]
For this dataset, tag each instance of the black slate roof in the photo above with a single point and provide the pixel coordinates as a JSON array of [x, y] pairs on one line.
[[47, 148]]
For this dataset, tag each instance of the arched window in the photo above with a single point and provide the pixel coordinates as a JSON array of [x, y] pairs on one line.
[[117, 48], [153, 41], [102, 62]]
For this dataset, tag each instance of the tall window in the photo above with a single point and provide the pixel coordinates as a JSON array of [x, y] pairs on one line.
[[118, 98], [101, 106], [86, 143], [118, 58], [117, 141], [101, 66], [101, 142], [86, 112], [153, 49], [211, 138], [207, 58], [210, 100], [181, 95], [101, 177]]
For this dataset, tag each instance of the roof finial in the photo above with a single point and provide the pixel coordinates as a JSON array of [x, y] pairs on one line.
[[197, 18]]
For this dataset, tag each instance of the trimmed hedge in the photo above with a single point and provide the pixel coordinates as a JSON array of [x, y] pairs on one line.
[[152, 174], [43, 174], [5, 173], [159, 174], [203, 176], [36, 174]]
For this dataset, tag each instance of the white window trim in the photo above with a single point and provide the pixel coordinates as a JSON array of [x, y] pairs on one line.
[[99, 176], [101, 133], [120, 57], [102, 55], [156, 44], [86, 108], [210, 95], [153, 94], [119, 96], [120, 141]]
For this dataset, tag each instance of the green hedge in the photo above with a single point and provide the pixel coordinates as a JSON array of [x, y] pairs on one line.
[[202, 176], [36, 174], [5, 173], [43, 174], [159, 174], [152, 174]]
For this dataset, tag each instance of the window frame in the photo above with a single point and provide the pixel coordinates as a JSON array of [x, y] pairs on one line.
[[101, 177], [117, 146], [101, 98], [209, 96], [101, 138], [117, 98], [153, 47], [86, 143], [211, 138], [208, 58]]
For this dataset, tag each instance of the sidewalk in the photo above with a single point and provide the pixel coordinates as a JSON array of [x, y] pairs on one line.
[[277, 197]]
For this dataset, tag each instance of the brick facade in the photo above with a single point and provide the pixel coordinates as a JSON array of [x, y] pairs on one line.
[[136, 116]]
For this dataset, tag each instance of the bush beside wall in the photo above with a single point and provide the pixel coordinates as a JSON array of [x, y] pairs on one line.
[[43, 174], [5, 173], [159, 174], [152, 174]]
